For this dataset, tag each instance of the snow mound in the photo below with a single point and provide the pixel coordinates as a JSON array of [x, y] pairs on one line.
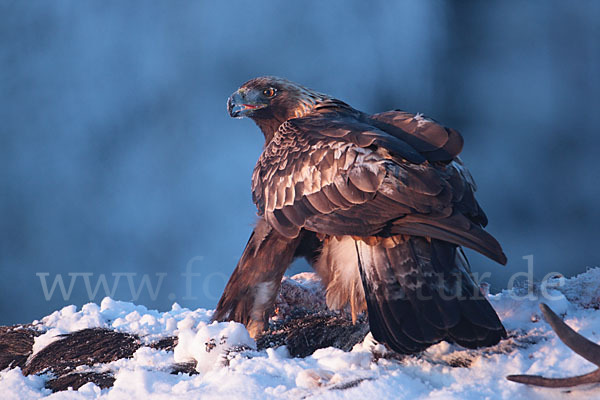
[[208, 344], [149, 325], [229, 366], [583, 289]]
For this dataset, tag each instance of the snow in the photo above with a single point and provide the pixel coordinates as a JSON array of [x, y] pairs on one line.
[[421, 119], [229, 365], [150, 325], [208, 343]]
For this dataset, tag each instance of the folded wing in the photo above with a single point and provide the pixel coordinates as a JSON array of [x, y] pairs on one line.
[[387, 174]]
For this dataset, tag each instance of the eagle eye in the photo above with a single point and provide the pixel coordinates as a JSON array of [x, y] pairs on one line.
[[269, 92]]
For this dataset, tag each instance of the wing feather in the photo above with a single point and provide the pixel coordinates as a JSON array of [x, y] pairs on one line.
[[339, 176], [434, 141]]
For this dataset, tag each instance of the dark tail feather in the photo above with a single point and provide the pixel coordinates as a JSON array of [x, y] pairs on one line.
[[420, 293]]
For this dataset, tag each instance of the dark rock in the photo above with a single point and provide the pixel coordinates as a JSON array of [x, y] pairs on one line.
[[303, 334], [76, 380], [85, 347], [349, 385], [16, 343], [302, 292], [167, 344], [188, 368]]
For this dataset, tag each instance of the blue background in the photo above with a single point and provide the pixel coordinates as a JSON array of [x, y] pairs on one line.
[[117, 154]]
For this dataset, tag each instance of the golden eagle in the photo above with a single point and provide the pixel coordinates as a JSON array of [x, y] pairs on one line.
[[378, 204]]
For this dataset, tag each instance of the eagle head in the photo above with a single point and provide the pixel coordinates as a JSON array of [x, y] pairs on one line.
[[270, 101]]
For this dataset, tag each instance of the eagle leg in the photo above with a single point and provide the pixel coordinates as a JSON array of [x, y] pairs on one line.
[[251, 290]]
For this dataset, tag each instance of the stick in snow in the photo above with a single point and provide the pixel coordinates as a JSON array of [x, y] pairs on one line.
[[580, 345]]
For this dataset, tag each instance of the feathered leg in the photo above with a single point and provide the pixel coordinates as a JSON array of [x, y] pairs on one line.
[[252, 288]]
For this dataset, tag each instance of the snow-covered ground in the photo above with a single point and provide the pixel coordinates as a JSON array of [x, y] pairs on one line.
[[444, 371]]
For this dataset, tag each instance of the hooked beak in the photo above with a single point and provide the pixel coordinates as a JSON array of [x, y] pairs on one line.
[[242, 104]]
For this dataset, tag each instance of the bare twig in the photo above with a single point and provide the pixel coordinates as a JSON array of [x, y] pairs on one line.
[[580, 345]]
